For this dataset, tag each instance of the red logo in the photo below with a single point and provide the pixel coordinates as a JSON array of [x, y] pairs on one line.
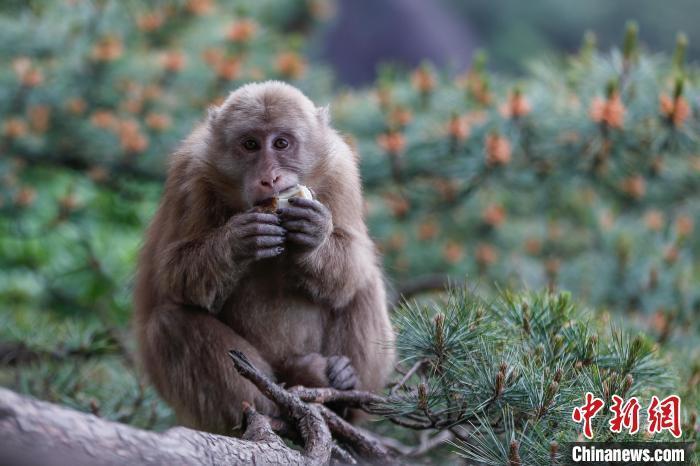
[[587, 412], [665, 415], [661, 414], [626, 415]]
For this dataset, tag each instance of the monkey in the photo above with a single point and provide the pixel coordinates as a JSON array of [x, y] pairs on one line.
[[299, 291]]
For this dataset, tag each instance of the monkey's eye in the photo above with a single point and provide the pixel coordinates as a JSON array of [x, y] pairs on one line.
[[251, 144], [280, 143]]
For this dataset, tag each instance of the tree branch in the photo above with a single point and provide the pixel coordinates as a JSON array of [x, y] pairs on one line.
[[37, 432], [33, 431], [367, 446], [258, 428], [17, 353], [418, 285], [415, 368], [313, 429], [428, 441], [294, 403], [349, 398]]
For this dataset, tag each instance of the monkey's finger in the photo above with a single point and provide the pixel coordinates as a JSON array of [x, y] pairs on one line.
[[309, 203], [288, 213], [303, 226], [343, 374], [258, 217], [335, 360], [352, 383], [267, 253], [338, 368], [348, 383], [303, 239], [255, 229], [263, 242], [332, 360], [336, 364], [345, 381]]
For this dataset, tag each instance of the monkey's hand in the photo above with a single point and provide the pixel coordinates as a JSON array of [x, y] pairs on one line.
[[256, 235], [341, 375], [308, 223]]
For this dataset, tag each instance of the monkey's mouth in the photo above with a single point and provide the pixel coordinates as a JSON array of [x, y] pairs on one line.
[[288, 191], [270, 203], [281, 199], [280, 193]]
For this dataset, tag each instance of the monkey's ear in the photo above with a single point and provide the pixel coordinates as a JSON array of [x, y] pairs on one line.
[[212, 113], [324, 115]]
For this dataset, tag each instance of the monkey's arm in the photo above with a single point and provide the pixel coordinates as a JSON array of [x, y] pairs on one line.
[[367, 337], [200, 271], [203, 270], [340, 267], [334, 260]]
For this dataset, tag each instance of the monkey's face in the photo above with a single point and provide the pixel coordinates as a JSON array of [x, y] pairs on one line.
[[268, 160], [266, 141]]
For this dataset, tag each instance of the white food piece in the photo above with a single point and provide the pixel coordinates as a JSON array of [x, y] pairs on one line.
[[295, 191]]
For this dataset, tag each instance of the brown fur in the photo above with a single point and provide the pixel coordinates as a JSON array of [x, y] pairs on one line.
[[194, 301]]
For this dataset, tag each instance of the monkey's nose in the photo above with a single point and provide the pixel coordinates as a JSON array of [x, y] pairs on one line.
[[269, 182]]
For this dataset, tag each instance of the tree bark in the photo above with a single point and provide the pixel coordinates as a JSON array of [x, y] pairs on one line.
[[36, 432]]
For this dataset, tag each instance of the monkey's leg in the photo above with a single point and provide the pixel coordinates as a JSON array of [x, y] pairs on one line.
[[184, 351]]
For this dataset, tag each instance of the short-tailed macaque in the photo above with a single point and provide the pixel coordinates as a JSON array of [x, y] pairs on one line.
[[298, 290]]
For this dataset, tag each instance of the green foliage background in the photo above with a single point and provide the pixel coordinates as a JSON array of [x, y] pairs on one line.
[[583, 176]]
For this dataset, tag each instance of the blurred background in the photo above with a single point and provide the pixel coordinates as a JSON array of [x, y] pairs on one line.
[[362, 35], [523, 145]]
